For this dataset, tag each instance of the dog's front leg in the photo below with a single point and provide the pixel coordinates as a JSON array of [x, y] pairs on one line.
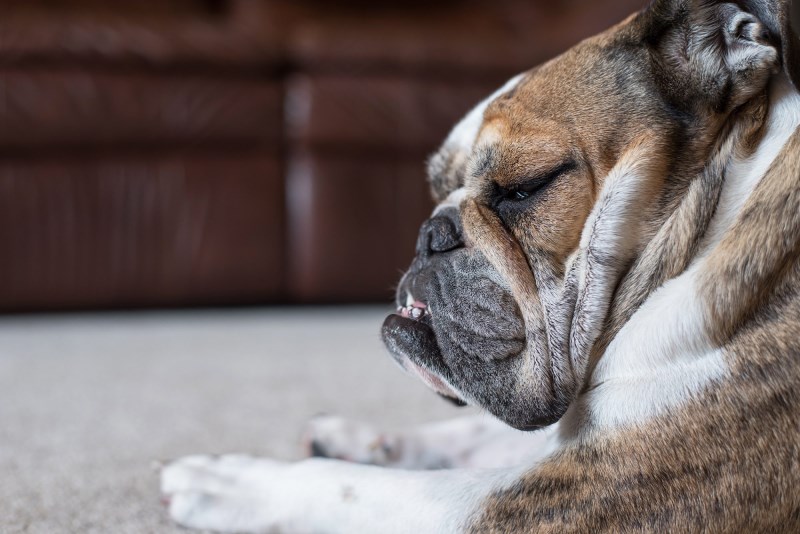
[[469, 441], [247, 494]]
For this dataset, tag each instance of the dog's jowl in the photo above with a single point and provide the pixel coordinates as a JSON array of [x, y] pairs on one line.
[[612, 270]]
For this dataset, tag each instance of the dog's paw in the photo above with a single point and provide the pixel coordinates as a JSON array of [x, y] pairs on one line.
[[231, 493], [335, 437]]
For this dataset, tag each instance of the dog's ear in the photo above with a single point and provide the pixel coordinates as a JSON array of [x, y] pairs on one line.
[[718, 54], [782, 19]]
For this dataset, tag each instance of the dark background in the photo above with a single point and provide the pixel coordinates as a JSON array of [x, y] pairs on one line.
[[224, 152]]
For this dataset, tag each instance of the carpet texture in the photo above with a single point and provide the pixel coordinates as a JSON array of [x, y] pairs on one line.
[[89, 402]]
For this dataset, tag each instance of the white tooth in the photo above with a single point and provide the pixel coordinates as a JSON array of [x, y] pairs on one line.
[[409, 300]]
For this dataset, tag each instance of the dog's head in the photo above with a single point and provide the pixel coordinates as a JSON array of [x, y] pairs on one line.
[[549, 189]]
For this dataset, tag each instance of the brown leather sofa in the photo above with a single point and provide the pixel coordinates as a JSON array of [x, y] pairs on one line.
[[207, 152]]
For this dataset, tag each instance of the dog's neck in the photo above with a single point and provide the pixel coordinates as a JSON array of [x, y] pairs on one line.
[[665, 352]]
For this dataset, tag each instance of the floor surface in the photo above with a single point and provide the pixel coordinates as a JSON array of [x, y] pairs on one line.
[[88, 402]]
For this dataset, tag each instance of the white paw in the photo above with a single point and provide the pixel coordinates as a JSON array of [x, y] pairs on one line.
[[343, 439], [232, 493]]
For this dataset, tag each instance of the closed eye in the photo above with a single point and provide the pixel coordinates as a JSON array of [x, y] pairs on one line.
[[530, 187], [524, 191]]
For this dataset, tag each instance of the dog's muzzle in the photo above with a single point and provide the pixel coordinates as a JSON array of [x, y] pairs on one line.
[[409, 334]]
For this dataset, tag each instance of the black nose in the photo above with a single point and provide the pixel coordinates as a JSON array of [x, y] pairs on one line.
[[440, 233]]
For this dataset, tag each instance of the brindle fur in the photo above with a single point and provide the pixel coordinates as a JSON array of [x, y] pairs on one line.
[[662, 91], [727, 460]]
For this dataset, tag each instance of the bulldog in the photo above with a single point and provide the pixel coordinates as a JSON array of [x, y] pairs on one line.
[[613, 273]]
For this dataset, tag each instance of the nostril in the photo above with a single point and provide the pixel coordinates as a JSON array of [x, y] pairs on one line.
[[439, 234], [444, 235]]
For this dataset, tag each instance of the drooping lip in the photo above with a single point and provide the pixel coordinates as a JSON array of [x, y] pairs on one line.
[[429, 379], [412, 343]]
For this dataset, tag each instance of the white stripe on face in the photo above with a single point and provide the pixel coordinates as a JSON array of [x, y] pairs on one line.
[[453, 200], [462, 137]]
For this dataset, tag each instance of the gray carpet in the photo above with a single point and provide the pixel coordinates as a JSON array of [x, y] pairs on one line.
[[89, 402]]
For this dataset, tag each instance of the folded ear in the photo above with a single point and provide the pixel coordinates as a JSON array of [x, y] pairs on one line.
[[714, 54], [781, 18]]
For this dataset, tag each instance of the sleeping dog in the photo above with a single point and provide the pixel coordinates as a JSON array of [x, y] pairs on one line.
[[613, 272]]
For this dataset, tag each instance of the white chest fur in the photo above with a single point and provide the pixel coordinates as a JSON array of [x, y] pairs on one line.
[[664, 354]]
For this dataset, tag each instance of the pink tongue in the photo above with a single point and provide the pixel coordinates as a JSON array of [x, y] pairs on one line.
[[418, 304]]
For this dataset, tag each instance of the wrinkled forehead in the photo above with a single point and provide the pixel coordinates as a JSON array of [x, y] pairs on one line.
[[566, 102], [464, 135], [447, 167]]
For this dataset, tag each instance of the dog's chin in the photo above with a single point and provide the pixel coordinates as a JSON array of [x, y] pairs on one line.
[[412, 343]]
